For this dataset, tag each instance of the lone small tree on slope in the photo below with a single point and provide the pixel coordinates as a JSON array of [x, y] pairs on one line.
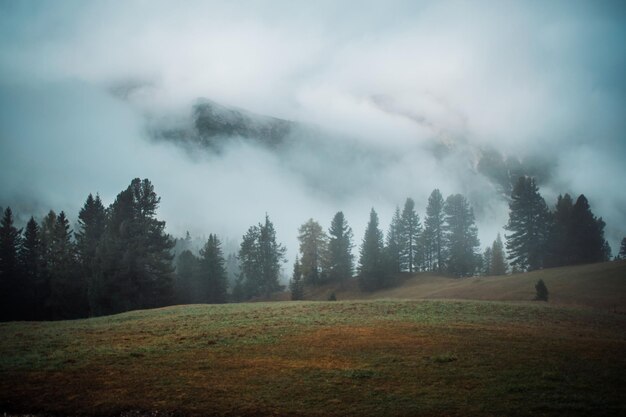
[[541, 291]]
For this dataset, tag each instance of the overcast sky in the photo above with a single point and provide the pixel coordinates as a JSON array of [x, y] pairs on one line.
[[527, 78]]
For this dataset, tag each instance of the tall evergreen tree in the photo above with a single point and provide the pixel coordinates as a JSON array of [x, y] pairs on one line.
[[622, 249], [487, 261], [212, 272], [313, 251], [30, 265], [91, 224], [260, 257], [134, 261], [392, 248], [607, 254], [11, 288], [529, 224], [296, 284], [558, 245], [410, 230], [434, 231], [372, 274], [461, 236], [47, 239], [340, 258], [587, 235], [498, 265], [186, 287], [67, 298]]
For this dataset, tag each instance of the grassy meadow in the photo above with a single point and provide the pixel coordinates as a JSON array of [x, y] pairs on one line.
[[350, 357]]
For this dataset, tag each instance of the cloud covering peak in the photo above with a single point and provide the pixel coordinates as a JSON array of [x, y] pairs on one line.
[[392, 82]]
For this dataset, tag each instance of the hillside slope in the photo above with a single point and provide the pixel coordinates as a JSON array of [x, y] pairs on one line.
[[600, 285], [347, 358]]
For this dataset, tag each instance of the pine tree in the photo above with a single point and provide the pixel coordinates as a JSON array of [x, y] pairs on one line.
[[622, 249], [410, 230], [587, 235], [250, 280], [499, 265], [372, 263], [186, 286], [11, 289], [260, 257], [487, 261], [133, 261], [340, 258], [392, 248], [607, 253], [91, 223], [558, 245], [47, 239], [433, 231], [313, 251], [461, 236], [67, 298], [30, 265], [529, 224], [296, 285], [212, 272], [232, 269]]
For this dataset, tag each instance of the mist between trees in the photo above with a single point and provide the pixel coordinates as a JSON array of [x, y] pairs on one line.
[[121, 259]]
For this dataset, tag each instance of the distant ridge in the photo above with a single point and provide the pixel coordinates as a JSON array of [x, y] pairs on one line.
[[211, 125]]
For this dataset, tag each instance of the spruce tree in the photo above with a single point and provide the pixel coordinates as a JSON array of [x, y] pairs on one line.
[[410, 230], [260, 257], [392, 248], [587, 235], [249, 283], [340, 258], [30, 265], [607, 253], [272, 256], [372, 274], [499, 265], [186, 287], [11, 289], [529, 224], [296, 284], [461, 236], [67, 298], [91, 223], [133, 262], [487, 261], [313, 251], [558, 249], [47, 239], [622, 249], [212, 272], [433, 231]]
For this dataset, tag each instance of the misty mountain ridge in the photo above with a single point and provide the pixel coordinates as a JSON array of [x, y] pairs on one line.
[[211, 126]]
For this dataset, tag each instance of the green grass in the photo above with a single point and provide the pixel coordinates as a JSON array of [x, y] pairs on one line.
[[384, 357]]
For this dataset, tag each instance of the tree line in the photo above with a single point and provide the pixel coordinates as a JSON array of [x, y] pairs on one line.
[[121, 259]]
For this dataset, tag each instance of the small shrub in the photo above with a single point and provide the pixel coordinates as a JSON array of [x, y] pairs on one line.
[[444, 358], [541, 291]]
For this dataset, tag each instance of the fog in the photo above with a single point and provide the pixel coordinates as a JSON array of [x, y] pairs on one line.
[[386, 85]]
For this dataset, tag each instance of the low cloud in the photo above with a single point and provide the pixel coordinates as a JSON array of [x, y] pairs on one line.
[[405, 96]]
